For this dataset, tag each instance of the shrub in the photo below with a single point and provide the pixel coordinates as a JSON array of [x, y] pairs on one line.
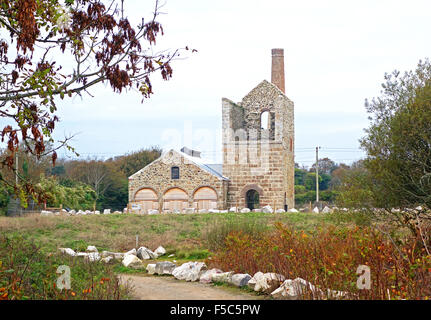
[[329, 258], [28, 273], [218, 230]]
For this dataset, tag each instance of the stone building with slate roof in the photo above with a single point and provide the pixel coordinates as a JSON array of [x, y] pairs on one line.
[[258, 159]]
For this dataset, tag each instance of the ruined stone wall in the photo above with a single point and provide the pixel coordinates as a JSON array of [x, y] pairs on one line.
[[260, 159], [157, 176]]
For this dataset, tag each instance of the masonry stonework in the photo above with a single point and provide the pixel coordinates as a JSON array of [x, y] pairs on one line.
[[157, 176], [258, 157], [253, 156]]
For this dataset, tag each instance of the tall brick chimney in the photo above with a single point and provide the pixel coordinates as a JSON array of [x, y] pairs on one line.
[[277, 69]]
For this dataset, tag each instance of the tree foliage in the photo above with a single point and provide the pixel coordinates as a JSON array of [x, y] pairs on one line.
[[52, 49], [305, 183], [78, 197], [397, 170]]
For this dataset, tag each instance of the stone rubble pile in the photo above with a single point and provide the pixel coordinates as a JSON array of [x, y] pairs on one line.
[[272, 284], [130, 259], [265, 209], [64, 212]]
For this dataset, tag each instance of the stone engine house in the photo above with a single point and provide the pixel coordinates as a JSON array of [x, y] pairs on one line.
[[258, 159]]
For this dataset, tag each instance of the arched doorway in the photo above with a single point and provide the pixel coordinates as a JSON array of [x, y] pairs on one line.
[[147, 199], [175, 199], [252, 199], [205, 198]]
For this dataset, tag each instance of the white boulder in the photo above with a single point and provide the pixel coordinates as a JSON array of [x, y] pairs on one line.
[[189, 210], [293, 210], [233, 209], [224, 277], [132, 261], [145, 253], [316, 210], [92, 256], [153, 211], [151, 268], [189, 271], [164, 267], [240, 279], [107, 259], [81, 254], [115, 255], [132, 252], [326, 209], [160, 251], [245, 210], [265, 282], [257, 210], [213, 211], [203, 211], [280, 211], [221, 211], [46, 213], [67, 251], [206, 277], [294, 289], [107, 211], [267, 209], [97, 212], [92, 249]]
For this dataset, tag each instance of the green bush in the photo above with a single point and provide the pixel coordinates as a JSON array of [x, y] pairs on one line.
[[79, 196], [28, 273]]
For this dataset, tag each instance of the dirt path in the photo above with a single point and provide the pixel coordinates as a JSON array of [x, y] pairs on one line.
[[168, 288]]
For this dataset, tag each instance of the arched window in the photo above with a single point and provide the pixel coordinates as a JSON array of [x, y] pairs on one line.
[[175, 173], [264, 120], [252, 199]]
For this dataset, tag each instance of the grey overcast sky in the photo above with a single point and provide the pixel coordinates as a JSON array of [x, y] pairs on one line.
[[336, 54]]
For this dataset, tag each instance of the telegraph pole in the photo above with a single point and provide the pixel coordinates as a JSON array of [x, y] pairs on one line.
[[317, 174]]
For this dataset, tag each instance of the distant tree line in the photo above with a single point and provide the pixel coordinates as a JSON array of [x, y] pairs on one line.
[[77, 184], [330, 175]]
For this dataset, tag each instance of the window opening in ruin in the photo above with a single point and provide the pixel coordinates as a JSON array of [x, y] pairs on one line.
[[264, 120], [175, 173]]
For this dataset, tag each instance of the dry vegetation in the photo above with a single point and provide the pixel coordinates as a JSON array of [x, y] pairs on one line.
[[118, 232], [329, 258], [325, 249]]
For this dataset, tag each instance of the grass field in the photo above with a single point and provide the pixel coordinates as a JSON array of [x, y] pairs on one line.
[[186, 235]]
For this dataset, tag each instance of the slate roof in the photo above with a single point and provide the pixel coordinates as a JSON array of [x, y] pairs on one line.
[[214, 169]]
